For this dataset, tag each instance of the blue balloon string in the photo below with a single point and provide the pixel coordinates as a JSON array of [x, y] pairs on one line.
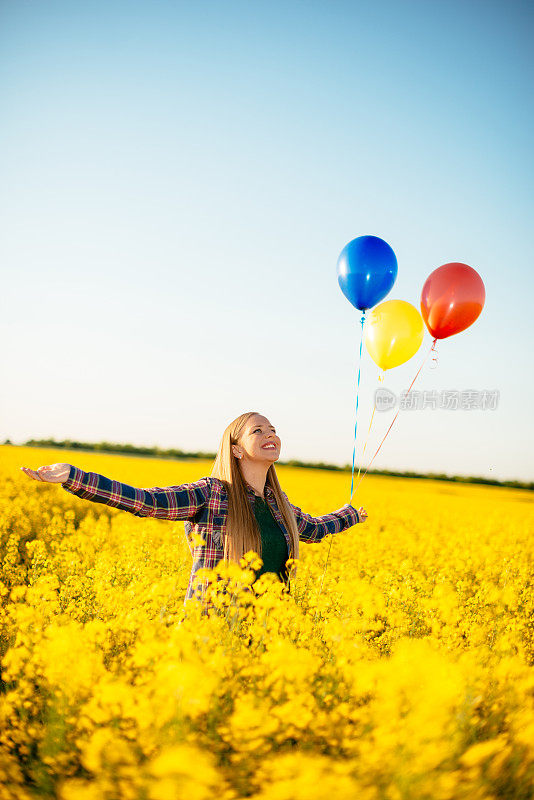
[[357, 398], [353, 456]]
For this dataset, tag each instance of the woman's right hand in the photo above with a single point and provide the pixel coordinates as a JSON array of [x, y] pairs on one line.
[[53, 473]]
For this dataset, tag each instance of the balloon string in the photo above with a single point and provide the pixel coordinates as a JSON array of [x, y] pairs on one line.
[[357, 397], [380, 378], [432, 349], [353, 457]]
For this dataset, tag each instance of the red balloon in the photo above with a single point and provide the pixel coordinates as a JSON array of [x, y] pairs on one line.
[[452, 298]]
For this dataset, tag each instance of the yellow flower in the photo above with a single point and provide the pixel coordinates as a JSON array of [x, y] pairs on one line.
[[400, 640], [482, 751]]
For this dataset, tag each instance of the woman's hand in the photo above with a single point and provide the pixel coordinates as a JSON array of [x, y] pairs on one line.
[[54, 473], [362, 513]]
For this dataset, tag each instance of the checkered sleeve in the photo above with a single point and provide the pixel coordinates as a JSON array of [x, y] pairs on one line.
[[314, 529], [172, 502]]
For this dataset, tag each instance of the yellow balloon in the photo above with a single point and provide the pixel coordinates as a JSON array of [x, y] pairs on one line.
[[393, 333]]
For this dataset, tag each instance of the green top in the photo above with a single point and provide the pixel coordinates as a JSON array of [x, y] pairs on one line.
[[273, 541]]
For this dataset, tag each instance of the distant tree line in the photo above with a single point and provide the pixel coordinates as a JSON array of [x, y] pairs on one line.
[[113, 447], [176, 454]]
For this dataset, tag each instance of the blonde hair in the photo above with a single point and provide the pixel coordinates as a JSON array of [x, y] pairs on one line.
[[242, 531]]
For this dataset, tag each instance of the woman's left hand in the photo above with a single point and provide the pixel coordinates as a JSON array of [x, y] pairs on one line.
[[362, 513]]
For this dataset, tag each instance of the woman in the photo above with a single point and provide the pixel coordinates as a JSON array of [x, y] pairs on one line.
[[239, 508]]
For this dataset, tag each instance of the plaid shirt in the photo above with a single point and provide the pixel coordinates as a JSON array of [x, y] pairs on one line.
[[203, 506]]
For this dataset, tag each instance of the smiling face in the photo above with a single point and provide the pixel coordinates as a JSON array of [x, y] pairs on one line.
[[258, 442]]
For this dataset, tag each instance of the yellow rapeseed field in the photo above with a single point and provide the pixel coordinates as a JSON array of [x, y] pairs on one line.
[[402, 672]]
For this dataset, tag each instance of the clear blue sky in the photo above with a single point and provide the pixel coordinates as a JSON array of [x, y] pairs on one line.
[[177, 180]]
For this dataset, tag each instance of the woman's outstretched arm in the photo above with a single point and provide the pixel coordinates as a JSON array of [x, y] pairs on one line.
[[180, 502], [314, 529]]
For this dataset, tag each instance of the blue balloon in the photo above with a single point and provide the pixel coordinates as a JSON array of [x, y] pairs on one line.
[[366, 271]]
